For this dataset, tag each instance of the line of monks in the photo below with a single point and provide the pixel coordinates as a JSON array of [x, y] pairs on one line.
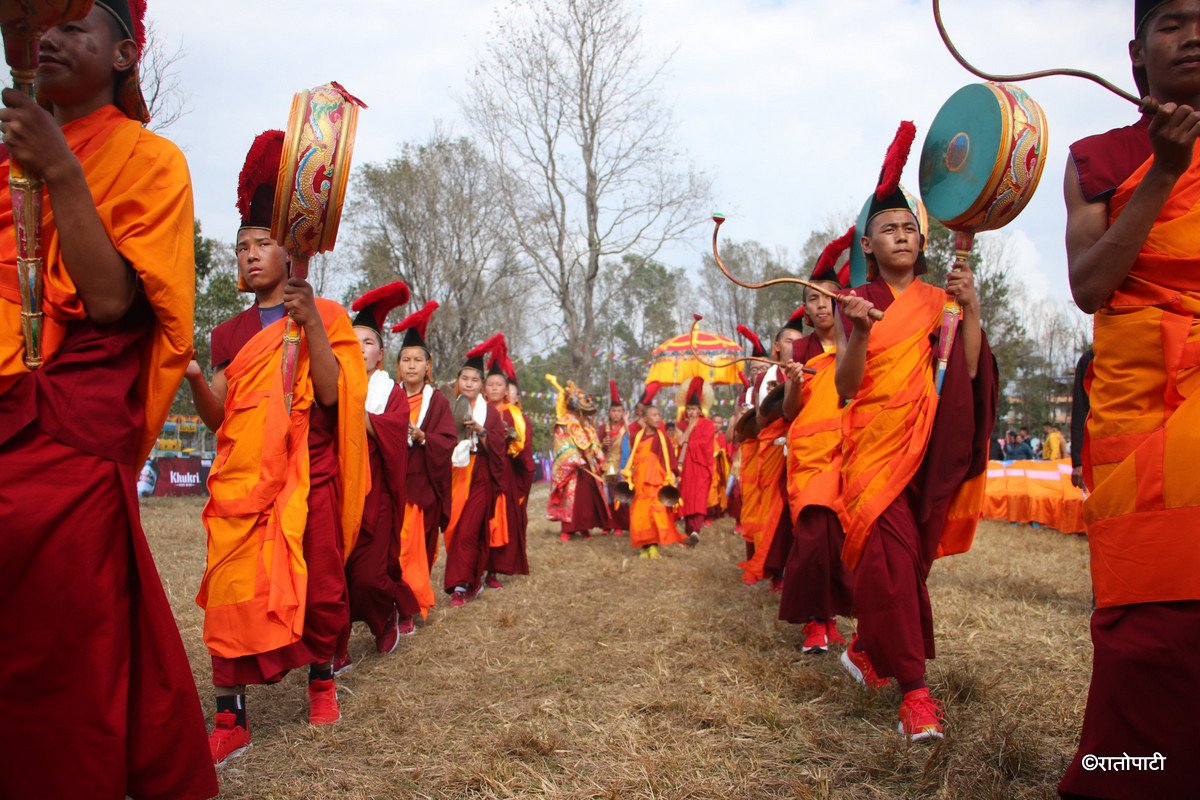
[[330, 512], [858, 464]]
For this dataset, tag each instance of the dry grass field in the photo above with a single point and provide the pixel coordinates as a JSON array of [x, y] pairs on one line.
[[604, 676]]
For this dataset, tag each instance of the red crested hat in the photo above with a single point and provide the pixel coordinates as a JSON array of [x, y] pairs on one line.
[[756, 346], [374, 306], [256, 182], [614, 396], [415, 326], [649, 392]]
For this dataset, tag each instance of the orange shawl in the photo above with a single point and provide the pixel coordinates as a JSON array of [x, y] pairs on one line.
[[143, 194], [814, 439], [886, 428], [255, 583], [769, 500], [1143, 433]]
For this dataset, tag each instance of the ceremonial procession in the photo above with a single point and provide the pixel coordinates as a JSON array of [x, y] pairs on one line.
[[494, 463]]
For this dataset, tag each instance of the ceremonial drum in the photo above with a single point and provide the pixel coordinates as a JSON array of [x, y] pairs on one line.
[[314, 169], [983, 157]]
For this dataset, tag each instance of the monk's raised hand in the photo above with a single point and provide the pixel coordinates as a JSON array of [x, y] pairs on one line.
[[33, 137], [857, 310], [961, 286], [1173, 132], [193, 370], [795, 372], [299, 301]]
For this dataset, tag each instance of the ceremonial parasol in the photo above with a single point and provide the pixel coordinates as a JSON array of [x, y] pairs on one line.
[[673, 362]]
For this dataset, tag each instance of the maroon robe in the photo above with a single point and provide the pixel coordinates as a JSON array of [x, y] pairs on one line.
[[374, 582], [327, 610], [1142, 698], [428, 478], [96, 692], [468, 551], [895, 621], [695, 482], [816, 584], [511, 559]]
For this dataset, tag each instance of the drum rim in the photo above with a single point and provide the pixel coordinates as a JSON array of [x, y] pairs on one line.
[[329, 219]]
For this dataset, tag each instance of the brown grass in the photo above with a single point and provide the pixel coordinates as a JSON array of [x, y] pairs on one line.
[[603, 676]]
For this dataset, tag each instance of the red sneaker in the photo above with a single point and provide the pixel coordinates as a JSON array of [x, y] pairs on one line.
[[585, 535], [342, 664], [835, 636], [228, 740], [391, 636], [859, 667], [493, 582], [816, 636], [458, 599], [322, 703], [777, 585], [564, 537], [408, 626], [749, 579], [920, 716]]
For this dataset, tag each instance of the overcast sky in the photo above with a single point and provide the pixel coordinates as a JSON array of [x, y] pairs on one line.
[[788, 105]]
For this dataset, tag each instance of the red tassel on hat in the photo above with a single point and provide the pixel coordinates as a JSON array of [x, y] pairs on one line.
[[896, 158], [614, 396], [830, 255], [417, 319], [486, 347], [752, 337], [384, 299], [649, 392], [261, 167]]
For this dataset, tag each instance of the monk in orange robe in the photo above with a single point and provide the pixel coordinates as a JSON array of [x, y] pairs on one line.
[[772, 524], [696, 436], [478, 476], [650, 468], [816, 584], [98, 699], [287, 487], [431, 439], [377, 591], [914, 461], [1133, 221], [744, 424], [506, 529]]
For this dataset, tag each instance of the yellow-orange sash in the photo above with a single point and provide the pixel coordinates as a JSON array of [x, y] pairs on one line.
[[255, 581], [1143, 432]]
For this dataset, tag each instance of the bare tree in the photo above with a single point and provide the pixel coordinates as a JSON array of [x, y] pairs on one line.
[[432, 218], [161, 85], [567, 100]]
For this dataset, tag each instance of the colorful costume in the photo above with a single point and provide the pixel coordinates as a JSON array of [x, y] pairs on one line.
[[697, 439], [576, 487]]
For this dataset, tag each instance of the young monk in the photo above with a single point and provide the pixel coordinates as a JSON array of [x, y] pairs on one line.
[[477, 475], [431, 440], [506, 532], [378, 593], [1132, 223], [98, 697], [913, 463], [523, 462], [695, 460], [286, 489], [772, 524], [816, 584], [611, 435], [744, 425], [650, 468]]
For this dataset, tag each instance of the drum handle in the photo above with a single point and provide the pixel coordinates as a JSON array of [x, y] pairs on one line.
[[291, 340], [717, 219], [1147, 104], [952, 311]]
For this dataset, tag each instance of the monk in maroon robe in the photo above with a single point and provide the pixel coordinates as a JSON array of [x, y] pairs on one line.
[[478, 475], [96, 693], [377, 591], [507, 532], [696, 435]]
